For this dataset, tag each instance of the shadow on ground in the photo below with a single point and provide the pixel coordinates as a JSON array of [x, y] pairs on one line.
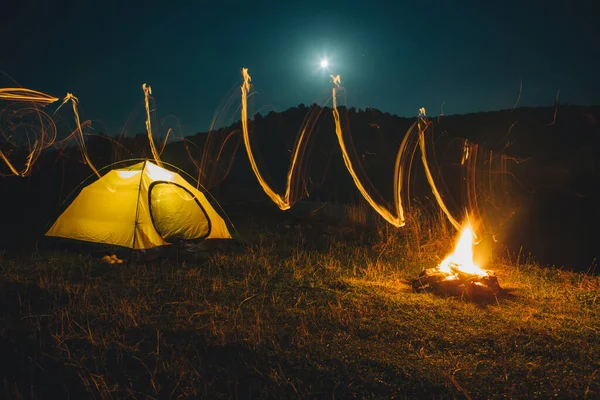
[[47, 355]]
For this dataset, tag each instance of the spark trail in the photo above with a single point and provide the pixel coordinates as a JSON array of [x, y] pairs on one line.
[[46, 131], [413, 140], [286, 201], [79, 132], [436, 193], [395, 217], [27, 95], [47, 135], [147, 92]]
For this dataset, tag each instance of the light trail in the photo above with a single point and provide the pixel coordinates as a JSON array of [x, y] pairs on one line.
[[79, 132], [413, 140], [396, 220], [395, 217], [283, 202], [147, 92]]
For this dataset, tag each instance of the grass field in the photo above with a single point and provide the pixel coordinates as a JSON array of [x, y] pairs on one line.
[[311, 308]]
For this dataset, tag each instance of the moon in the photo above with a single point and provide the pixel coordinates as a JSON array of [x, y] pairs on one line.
[[324, 63]]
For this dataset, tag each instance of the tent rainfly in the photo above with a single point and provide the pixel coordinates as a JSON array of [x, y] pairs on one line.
[[140, 207]]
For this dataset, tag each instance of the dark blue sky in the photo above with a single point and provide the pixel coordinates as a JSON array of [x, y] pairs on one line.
[[395, 57]]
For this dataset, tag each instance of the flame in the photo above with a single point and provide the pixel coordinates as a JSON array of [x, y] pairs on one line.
[[461, 258]]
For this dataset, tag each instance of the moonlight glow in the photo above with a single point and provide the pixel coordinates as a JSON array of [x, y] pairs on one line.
[[324, 63]]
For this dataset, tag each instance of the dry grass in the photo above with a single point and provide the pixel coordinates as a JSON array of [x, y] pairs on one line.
[[320, 311]]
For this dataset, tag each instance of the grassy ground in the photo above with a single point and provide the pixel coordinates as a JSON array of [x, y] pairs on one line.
[[305, 309]]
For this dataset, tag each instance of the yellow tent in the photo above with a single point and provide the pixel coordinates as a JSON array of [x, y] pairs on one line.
[[140, 207]]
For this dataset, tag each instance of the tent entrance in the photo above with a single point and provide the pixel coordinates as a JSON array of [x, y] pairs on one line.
[[176, 213]]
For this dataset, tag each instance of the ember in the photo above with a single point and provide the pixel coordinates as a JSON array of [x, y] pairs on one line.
[[458, 274]]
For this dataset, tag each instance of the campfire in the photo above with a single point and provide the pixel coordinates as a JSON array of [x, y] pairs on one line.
[[457, 274]]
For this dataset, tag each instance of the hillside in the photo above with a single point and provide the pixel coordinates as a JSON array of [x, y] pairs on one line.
[[540, 195]]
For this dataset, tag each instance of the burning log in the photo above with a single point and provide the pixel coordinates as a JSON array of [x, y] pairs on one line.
[[457, 283]]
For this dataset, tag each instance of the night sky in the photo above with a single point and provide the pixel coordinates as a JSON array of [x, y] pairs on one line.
[[393, 57]]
